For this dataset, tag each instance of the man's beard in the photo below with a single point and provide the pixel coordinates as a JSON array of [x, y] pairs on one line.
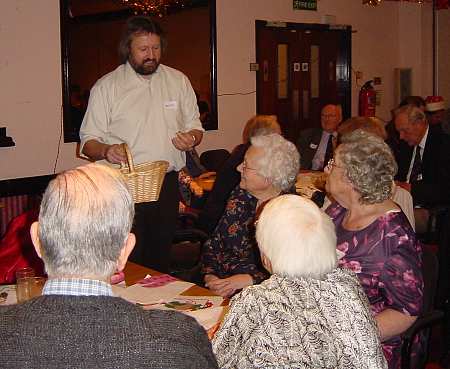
[[147, 67]]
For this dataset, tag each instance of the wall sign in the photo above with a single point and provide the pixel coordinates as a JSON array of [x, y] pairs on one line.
[[304, 4]]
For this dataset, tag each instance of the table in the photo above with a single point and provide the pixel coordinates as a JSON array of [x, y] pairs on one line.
[[206, 181], [307, 181], [135, 272]]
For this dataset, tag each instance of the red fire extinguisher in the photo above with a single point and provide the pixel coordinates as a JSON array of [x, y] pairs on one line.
[[367, 100]]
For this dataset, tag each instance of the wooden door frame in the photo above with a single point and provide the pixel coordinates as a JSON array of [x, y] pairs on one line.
[[345, 55]]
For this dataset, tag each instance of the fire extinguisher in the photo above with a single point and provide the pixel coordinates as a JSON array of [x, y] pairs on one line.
[[367, 100]]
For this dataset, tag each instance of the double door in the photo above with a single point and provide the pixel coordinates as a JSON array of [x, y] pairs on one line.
[[301, 68]]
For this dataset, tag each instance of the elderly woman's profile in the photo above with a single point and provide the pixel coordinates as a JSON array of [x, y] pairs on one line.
[[309, 313], [230, 260], [375, 236]]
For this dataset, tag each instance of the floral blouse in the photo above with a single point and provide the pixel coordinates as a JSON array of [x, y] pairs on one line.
[[387, 259], [232, 248]]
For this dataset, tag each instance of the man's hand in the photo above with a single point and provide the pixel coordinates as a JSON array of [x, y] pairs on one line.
[[184, 141], [115, 154], [226, 287]]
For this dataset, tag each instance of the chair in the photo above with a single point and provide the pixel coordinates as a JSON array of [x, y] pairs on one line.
[[186, 249], [17, 250], [213, 160], [429, 315]]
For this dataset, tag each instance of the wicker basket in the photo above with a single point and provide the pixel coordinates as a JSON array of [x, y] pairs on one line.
[[144, 180]]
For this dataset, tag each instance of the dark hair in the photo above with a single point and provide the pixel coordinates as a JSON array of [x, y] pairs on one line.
[[135, 26], [416, 101]]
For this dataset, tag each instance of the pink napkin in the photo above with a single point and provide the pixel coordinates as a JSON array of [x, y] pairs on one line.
[[157, 280]]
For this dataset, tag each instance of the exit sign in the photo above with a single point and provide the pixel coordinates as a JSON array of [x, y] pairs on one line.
[[305, 4]]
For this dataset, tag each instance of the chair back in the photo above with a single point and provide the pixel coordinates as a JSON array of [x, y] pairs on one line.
[[421, 327], [213, 160], [17, 250]]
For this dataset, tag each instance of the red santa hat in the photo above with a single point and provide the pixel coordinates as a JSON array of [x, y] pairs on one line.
[[434, 103]]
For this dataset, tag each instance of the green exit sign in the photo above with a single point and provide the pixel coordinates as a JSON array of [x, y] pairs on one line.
[[305, 4]]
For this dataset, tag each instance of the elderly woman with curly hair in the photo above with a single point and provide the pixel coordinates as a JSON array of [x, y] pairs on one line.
[[230, 259], [228, 177], [375, 236], [309, 313]]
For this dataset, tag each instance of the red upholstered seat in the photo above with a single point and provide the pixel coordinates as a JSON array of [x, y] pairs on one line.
[[16, 248]]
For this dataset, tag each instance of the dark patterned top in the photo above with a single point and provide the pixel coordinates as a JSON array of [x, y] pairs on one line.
[[232, 248], [387, 259], [300, 323]]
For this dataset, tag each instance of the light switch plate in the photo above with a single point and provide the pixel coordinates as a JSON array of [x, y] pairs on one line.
[[254, 67]]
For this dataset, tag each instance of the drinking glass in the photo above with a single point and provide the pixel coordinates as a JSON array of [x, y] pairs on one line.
[[25, 284]]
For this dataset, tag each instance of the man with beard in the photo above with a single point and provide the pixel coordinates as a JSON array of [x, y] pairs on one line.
[[153, 109]]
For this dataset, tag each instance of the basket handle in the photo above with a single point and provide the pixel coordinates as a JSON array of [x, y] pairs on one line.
[[129, 157]]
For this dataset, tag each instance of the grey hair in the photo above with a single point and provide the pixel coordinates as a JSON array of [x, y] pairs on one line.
[[85, 218], [369, 165], [414, 114], [297, 237], [280, 162]]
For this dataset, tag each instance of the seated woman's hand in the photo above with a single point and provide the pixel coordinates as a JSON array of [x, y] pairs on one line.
[[226, 287]]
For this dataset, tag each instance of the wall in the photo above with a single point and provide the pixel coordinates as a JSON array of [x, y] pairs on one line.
[[383, 40], [30, 93], [30, 97], [443, 50]]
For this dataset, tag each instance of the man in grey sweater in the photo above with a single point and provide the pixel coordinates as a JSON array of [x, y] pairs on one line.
[[83, 236]]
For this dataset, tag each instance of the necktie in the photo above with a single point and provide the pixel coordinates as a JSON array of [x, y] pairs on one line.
[[416, 171]]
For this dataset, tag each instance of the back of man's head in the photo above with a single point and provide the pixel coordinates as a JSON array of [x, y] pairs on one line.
[[85, 218]]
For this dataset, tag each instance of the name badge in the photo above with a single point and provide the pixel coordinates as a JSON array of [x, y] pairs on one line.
[[313, 146], [170, 105]]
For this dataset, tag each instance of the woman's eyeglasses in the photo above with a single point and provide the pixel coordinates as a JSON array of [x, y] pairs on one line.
[[245, 167]]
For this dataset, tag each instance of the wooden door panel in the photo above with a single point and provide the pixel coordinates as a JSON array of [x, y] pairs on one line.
[[315, 55]]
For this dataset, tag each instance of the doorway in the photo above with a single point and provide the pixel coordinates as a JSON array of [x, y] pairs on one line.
[[300, 68]]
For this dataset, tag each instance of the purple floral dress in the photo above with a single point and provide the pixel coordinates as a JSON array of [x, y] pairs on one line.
[[232, 248], [387, 259]]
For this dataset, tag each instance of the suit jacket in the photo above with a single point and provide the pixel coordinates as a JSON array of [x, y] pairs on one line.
[[307, 145], [99, 332], [434, 188]]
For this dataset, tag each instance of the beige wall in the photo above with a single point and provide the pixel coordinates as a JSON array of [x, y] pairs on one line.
[[30, 95], [443, 50]]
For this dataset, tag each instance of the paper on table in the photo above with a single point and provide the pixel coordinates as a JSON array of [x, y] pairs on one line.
[[10, 292], [137, 293], [210, 317], [184, 303]]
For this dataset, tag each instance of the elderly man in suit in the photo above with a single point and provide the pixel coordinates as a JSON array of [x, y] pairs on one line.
[[83, 236], [316, 144], [426, 171]]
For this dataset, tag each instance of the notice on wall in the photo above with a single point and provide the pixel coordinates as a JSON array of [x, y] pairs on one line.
[[304, 4]]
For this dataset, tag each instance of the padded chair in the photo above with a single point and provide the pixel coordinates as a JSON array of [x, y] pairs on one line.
[[186, 250], [429, 316], [17, 250], [213, 160]]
